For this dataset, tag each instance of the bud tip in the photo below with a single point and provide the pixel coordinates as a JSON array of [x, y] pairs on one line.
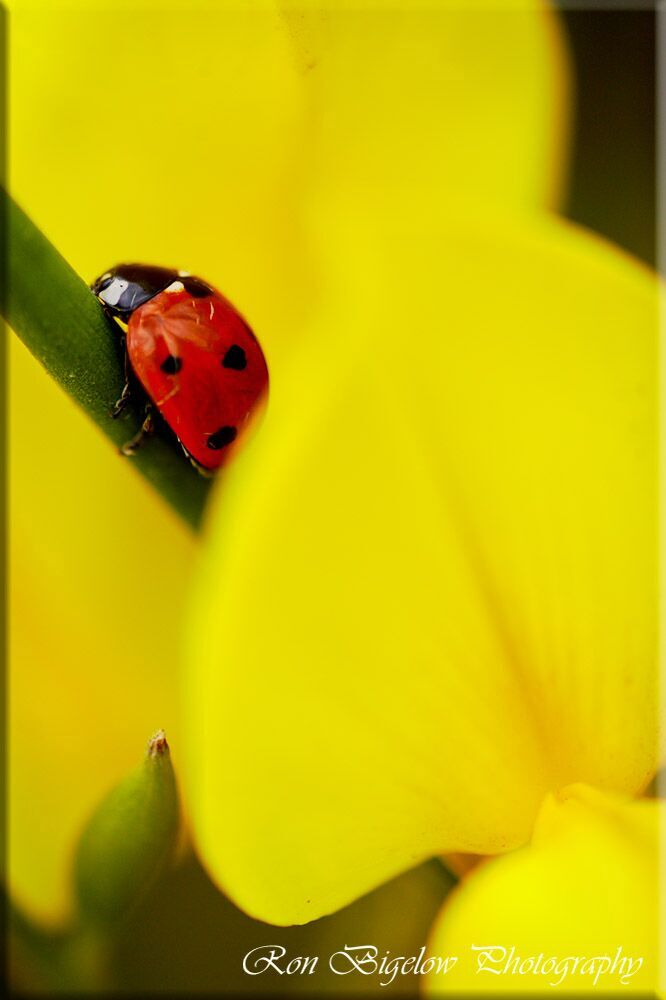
[[157, 744]]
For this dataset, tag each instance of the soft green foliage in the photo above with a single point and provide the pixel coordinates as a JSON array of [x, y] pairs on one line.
[[54, 313], [129, 840], [70, 961]]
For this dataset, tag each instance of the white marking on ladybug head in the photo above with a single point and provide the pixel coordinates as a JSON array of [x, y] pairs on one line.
[[183, 274], [112, 293], [176, 286]]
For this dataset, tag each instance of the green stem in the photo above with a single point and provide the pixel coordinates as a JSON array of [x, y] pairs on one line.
[[57, 318]]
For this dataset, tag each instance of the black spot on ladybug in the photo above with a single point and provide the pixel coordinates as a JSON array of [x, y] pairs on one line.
[[221, 438], [171, 365], [235, 358], [197, 288]]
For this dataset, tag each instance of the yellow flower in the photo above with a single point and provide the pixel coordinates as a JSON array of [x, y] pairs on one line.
[[425, 620], [586, 888]]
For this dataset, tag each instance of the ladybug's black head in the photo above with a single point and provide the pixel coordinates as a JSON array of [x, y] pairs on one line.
[[126, 287]]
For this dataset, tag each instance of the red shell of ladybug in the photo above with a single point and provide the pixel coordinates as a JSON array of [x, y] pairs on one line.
[[193, 354]]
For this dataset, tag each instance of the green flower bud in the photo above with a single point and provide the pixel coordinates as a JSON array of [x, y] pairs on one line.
[[129, 839]]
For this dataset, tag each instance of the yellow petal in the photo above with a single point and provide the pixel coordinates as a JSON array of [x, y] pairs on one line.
[[171, 135], [537, 394], [415, 107], [465, 468], [98, 570], [546, 421], [586, 888], [193, 138]]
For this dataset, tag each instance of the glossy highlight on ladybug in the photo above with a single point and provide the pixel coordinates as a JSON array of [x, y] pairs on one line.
[[188, 353]]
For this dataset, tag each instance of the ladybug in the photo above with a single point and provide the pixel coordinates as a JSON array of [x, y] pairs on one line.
[[190, 352]]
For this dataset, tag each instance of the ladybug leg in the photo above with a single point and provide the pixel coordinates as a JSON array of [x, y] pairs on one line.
[[206, 473], [121, 404], [126, 396], [146, 429]]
